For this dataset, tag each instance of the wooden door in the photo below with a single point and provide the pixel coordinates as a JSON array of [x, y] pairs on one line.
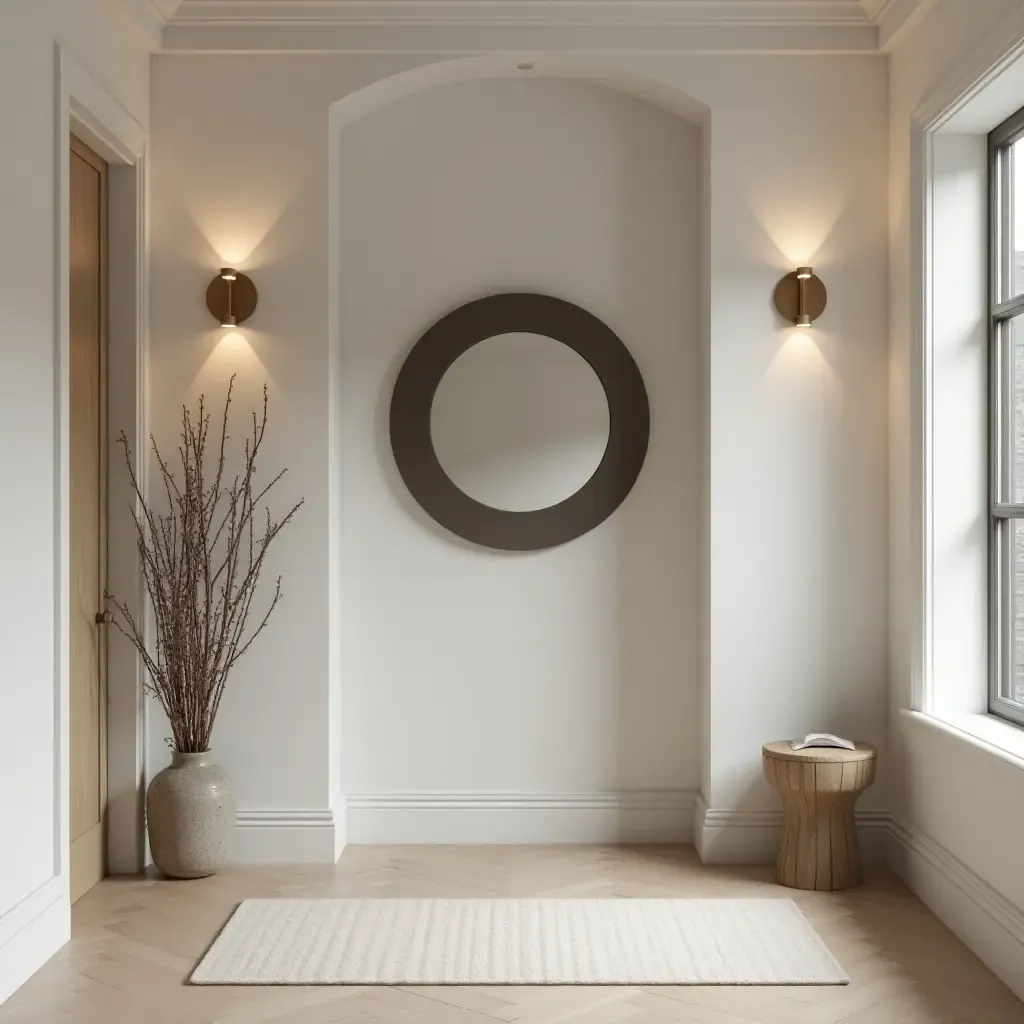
[[88, 556]]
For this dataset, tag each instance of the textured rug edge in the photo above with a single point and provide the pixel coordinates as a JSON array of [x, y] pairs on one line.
[[823, 946], [247, 983], [205, 955]]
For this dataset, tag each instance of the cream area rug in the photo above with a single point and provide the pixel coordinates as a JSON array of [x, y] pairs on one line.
[[518, 942]]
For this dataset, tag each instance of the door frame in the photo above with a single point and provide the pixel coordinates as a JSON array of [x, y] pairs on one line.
[[87, 110]]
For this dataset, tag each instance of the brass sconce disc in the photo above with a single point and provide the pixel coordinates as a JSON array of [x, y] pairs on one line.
[[787, 297], [242, 298]]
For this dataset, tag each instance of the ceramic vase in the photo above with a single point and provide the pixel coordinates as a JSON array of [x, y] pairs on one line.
[[190, 814]]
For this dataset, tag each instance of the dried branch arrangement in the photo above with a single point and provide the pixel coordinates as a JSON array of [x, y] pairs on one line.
[[201, 561]]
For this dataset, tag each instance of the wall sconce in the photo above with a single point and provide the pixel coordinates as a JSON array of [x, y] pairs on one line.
[[800, 297], [231, 297]]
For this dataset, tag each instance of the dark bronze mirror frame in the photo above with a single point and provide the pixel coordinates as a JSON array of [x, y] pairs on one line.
[[528, 313]]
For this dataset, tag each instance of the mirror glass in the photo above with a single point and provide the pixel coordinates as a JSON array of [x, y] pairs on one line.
[[519, 422]]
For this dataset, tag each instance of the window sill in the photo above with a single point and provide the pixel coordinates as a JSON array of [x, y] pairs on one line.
[[999, 737]]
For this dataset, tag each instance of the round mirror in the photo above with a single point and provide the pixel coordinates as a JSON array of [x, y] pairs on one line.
[[520, 422]]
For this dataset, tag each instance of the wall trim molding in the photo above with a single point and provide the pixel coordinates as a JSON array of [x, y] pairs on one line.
[[547, 12], [164, 9], [285, 818], [719, 818], [912, 841], [291, 835], [727, 836], [897, 19], [658, 799], [638, 816], [25, 911], [31, 932], [991, 925], [970, 76], [977, 913], [751, 25], [151, 16], [475, 26]]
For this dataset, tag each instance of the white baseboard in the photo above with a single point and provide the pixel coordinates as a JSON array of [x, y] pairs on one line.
[[752, 837], [340, 808], [980, 916], [656, 817], [31, 932], [291, 836]]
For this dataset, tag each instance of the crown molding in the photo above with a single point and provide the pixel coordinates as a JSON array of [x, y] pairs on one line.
[[474, 26], [962, 83], [896, 19], [151, 16], [521, 12], [467, 26], [165, 9]]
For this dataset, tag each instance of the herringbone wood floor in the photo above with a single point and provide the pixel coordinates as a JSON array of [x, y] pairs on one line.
[[135, 941]]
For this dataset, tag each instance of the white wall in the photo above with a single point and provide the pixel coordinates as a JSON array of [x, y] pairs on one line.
[[572, 670], [952, 793], [219, 198], [798, 420], [33, 890], [797, 486]]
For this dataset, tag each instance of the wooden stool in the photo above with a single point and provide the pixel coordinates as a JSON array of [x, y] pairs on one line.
[[819, 787]]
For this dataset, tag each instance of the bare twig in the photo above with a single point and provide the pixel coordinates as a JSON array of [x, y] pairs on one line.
[[201, 563]]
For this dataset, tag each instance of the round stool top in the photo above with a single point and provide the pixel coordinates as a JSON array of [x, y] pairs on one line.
[[783, 751]]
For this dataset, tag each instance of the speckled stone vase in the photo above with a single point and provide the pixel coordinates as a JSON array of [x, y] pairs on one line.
[[190, 812]]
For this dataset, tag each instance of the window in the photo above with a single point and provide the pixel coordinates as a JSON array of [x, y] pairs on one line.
[[1006, 354]]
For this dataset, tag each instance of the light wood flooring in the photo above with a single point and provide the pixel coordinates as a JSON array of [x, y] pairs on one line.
[[135, 941]]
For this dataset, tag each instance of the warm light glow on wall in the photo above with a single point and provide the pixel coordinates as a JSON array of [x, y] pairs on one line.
[[801, 362], [233, 351], [799, 222], [239, 213], [236, 248]]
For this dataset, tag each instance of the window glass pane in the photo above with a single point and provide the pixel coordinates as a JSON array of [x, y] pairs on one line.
[[1015, 684], [1011, 351], [1017, 218]]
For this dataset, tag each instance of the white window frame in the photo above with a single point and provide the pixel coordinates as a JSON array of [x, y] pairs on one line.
[[1005, 306]]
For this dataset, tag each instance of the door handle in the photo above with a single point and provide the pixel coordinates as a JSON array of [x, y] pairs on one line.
[[104, 618]]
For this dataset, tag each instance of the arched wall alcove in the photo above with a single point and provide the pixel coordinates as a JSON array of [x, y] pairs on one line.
[[795, 626], [542, 695], [573, 67]]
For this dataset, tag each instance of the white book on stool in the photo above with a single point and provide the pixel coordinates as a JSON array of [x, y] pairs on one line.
[[823, 739]]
